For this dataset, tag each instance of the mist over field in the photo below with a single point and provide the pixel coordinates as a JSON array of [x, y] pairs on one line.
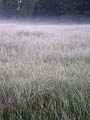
[[47, 48], [44, 71], [44, 59]]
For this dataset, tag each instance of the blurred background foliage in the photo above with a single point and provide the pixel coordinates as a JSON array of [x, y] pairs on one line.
[[44, 7]]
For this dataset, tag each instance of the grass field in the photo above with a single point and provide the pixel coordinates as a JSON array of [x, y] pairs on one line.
[[45, 72]]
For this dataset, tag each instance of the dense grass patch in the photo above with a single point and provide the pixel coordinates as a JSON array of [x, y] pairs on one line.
[[45, 72], [61, 101]]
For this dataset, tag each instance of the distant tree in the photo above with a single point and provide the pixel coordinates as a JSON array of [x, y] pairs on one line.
[[87, 8], [43, 7], [1, 7], [19, 2], [27, 7], [10, 7], [48, 7], [18, 8], [82, 6]]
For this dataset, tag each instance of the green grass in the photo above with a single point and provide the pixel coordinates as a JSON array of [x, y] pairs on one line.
[[57, 102], [45, 72]]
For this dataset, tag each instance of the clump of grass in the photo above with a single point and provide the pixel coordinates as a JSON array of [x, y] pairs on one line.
[[46, 102]]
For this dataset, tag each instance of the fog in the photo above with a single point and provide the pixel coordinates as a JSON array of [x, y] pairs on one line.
[[61, 20]]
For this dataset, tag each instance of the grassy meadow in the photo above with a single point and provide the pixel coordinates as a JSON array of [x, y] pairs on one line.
[[45, 72]]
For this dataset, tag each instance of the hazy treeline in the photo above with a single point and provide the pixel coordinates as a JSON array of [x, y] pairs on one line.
[[43, 7]]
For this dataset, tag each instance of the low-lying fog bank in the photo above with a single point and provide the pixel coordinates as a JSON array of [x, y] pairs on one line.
[[47, 20]]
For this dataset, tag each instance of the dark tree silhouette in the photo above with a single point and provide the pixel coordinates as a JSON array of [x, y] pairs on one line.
[[10, 7], [82, 6], [48, 7], [43, 7]]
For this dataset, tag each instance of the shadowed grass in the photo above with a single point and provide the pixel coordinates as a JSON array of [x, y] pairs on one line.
[[48, 102]]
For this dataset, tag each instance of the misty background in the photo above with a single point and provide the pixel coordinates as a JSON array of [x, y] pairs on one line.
[[60, 11], [30, 8]]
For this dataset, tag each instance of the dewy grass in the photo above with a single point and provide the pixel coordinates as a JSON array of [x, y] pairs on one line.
[[45, 72], [59, 101]]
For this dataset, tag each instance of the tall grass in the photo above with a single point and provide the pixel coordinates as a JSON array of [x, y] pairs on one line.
[[45, 72]]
